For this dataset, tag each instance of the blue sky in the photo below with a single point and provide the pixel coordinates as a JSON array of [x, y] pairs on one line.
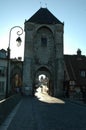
[[71, 12]]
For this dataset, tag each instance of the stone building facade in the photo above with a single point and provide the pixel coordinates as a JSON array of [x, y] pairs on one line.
[[16, 67], [43, 52], [3, 68], [75, 76]]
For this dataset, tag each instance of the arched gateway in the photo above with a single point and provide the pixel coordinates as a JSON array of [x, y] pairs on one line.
[[43, 71], [43, 52]]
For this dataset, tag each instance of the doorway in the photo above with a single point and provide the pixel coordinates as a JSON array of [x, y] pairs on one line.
[[43, 81]]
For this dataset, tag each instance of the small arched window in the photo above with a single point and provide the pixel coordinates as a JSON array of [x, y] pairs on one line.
[[43, 41]]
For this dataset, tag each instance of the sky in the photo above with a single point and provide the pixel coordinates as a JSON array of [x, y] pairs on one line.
[[71, 12]]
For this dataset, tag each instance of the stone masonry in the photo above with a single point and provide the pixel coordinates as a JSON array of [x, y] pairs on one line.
[[43, 53]]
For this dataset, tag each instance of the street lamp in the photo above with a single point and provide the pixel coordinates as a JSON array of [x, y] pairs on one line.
[[18, 40]]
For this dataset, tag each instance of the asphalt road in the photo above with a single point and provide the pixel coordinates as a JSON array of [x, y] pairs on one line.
[[48, 113]]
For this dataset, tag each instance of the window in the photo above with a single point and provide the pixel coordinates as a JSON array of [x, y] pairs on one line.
[[83, 73], [44, 41], [72, 83], [1, 87], [2, 71]]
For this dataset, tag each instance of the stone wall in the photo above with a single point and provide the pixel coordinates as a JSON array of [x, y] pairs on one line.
[[50, 55]]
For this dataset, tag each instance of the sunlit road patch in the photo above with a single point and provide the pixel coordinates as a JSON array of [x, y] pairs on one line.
[[44, 97]]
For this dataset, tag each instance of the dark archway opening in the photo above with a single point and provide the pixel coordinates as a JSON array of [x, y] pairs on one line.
[[16, 80]]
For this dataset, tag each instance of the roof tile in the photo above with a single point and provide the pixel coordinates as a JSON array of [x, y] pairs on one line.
[[44, 16]]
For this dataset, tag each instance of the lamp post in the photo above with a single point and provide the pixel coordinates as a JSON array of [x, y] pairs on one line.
[[18, 40]]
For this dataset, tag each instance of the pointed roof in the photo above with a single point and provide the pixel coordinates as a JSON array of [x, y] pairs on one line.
[[44, 16]]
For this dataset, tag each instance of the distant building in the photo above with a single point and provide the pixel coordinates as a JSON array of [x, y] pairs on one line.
[[15, 71], [75, 75], [3, 68], [3, 53]]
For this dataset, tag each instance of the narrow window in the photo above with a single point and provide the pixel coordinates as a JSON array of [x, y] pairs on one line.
[[2, 71], [1, 87], [44, 41], [83, 73]]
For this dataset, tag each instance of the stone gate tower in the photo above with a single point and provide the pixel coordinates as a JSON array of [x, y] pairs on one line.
[[43, 52]]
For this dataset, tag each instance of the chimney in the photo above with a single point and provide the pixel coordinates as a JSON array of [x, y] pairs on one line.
[[78, 52]]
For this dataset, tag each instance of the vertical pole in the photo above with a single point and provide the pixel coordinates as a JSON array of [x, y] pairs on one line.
[[8, 72]]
